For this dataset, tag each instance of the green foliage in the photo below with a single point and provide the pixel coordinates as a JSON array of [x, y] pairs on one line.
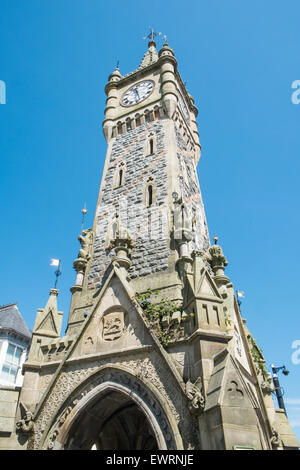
[[155, 311], [258, 358]]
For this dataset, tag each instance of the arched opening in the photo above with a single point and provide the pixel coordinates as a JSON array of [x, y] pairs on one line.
[[151, 146], [128, 125], [120, 177], [137, 120], [119, 128], [150, 195], [112, 422]]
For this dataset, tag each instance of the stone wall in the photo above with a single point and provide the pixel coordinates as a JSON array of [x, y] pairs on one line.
[[191, 193], [147, 226]]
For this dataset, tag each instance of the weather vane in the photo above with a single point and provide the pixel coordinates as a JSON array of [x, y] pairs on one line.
[[56, 262], [84, 212], [240, 295], [152, 34]]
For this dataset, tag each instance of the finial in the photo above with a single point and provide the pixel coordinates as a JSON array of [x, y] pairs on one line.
[[165, 39], [84, 212], [151, 36], [217, 261]]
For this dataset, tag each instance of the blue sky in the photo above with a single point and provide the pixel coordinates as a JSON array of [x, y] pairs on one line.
[[239, 60]]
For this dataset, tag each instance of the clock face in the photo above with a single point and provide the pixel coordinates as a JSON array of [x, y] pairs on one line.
[[183, 107], [137, 93]]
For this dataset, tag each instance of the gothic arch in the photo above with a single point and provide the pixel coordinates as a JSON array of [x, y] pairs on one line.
[[119, 176], [150, 192], [114, 379], [151, 144]]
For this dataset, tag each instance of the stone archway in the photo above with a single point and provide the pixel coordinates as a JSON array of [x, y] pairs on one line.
[[113, 410], [113, 421]]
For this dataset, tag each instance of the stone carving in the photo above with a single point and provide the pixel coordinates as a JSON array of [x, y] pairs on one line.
[[85, 240], [275, 440], [84, 254], [88, 346], [217, 262], [26, 424], [195, 396], [113, 326], [234, 392]]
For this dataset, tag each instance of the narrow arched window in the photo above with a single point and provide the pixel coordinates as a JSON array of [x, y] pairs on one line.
[[151, 145], [120, 177], [150, 195], [119, 128], [138, 121]]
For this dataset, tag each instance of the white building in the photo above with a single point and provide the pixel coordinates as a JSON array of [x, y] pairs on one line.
[[14, 345]]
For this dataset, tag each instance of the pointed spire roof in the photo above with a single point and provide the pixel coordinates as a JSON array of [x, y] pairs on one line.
[[150, 57], [48, 320]]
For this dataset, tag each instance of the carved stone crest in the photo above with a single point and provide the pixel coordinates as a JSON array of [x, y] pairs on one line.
[[113, 326]]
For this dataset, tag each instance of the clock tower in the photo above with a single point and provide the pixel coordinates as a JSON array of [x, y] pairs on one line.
[[156, 354]]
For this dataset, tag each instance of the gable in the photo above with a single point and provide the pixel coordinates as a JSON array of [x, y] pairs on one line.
[[207, 287], [47, 324], [115, 325]]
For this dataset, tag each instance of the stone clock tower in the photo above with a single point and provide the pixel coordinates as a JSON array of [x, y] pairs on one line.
[[156, 354]]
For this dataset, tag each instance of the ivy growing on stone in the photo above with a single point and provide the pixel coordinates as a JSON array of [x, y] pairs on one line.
[[156, 311]]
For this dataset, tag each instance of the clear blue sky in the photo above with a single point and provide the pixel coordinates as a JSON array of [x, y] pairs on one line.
[[239, 60]]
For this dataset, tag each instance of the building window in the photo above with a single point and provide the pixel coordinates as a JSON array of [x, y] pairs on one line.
[[128, 125], [11, 363], [119, 128], [150, 195], [138, 121], [150, 192], [151, 143], [120, 177]]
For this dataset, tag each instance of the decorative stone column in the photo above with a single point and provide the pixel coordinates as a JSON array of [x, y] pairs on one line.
[[111, 103], [168, 82], [122, 244], [182, 235], [79, 265]]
